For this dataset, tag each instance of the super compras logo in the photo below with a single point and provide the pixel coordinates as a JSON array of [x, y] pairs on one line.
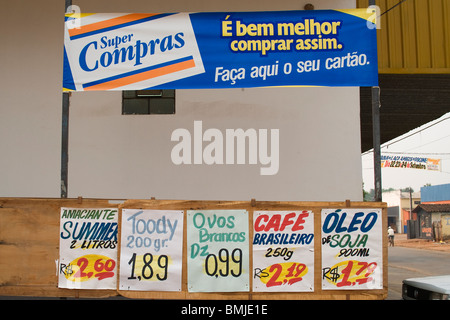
[[133, 53]]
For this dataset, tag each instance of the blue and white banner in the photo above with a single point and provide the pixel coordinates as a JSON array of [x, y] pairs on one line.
[[126, 51]]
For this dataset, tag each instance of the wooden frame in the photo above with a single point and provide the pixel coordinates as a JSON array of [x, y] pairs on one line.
[[29, 248]]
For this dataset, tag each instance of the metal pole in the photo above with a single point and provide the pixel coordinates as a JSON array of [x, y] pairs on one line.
[[376, 142], [65, 135], [410, 203], [64, 144], [376, 136]]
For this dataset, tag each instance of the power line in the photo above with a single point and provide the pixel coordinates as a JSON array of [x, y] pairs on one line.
[[421, 153], [395, 5], [387, 144], [429, 143], [414, 133]]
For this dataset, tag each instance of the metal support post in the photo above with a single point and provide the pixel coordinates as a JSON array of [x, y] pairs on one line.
[[65, 135], [64, 144], [376, 142], [376, 136]]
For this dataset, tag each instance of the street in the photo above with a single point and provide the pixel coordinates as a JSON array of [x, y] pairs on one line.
[[406, 263]]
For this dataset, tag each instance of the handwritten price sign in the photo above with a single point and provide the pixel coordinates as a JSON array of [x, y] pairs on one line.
[[89, 266], [286, 273], [223, 264], [283, 251], [151, 250], [350, 273], [351, 249], [88, 248], [148, 267], [218, 259]]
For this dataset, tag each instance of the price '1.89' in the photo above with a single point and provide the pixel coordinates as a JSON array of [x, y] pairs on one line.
[[149, 267]]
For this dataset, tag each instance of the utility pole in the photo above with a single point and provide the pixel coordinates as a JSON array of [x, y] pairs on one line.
[[65, 135], [376, 142], [410, 203], [376, 136]]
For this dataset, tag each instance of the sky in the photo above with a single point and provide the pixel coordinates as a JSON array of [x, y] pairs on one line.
[[431, 140]]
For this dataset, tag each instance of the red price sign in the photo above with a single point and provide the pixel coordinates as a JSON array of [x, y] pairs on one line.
[[90, 266], [286, 273], [350, 273]]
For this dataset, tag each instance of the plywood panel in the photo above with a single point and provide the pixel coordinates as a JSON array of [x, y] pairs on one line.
[[29, 240], [29, 247]]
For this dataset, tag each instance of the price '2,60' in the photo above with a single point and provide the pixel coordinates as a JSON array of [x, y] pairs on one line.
[[149, 267]]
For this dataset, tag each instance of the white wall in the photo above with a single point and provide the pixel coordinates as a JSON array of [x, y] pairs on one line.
[[117, 156], [30, 100]]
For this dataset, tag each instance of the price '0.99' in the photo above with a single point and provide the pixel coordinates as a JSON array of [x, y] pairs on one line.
[[224, 264], [149, 267]]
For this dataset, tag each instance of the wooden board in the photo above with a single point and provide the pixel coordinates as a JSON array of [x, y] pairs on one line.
[[29, 247]]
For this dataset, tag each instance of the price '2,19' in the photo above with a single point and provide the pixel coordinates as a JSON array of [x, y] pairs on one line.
[[149, 267]]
